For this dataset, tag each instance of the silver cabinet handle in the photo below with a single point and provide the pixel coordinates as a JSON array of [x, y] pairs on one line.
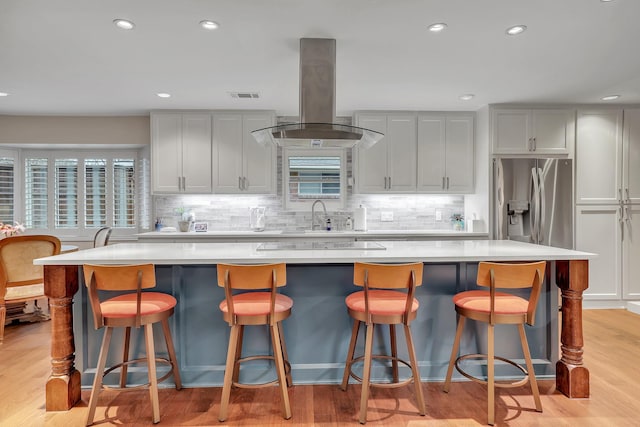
[[621, 220], [240, 183], [389, 183], [534, 144], [626, 190], [447, 183], [443, 183], [620, 195], [184, 183], [529, 145], [385, 183], [245, 186], [179, 183]]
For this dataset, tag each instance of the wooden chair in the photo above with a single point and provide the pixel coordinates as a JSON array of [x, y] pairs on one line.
[[127, 310], [387, 298], [20, 280], [101, 238], [255, 308], [499, 308]]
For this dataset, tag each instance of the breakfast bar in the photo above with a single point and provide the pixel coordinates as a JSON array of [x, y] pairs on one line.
[[319, 276]]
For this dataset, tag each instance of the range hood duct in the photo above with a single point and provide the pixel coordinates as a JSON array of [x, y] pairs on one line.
[[317, 127]]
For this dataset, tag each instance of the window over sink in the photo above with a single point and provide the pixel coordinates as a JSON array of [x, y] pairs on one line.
[[313, 174]]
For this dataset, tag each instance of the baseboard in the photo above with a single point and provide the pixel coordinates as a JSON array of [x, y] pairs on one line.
[[603, 304], [634, 306]]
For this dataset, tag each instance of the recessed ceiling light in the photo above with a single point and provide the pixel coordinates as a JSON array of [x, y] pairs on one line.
[[4, 94], [436, 28], [606, 1], [610, 97], [209, 25], [516, 29], [467, 97], [124, 24], [163, 95]]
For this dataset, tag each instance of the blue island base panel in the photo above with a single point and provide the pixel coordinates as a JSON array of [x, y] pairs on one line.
[[317, 333]]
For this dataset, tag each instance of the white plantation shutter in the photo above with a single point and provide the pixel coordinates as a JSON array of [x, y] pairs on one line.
[[95, 188], [7, 171], [313, 177], [124, 193], [66, 193], [144, 193], [36, 193]]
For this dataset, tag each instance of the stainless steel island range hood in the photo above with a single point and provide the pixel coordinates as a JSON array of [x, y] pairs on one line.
[[317, 127]]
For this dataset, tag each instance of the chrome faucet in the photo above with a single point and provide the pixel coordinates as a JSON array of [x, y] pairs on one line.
[[313, 212]]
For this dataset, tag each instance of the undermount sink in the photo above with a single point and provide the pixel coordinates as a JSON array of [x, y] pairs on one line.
[[298, 246]]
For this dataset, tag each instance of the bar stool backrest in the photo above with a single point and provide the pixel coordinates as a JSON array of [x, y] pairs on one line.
[[387, 276], [513, 276], [252, 277]]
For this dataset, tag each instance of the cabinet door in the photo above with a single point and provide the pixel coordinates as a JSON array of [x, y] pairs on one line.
[[401, 151], [432, 147], [553, 131], [511, 131], [459, 154], [372, 162], [599, 157], [196, 153], [166, 152], [631, 156], [631, 253], [259, 162], [598, 230], [227, 158]]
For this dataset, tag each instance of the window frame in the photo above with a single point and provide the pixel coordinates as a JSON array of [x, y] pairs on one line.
[[82, 231], [305, 204]]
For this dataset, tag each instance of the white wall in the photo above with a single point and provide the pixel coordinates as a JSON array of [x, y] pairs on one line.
[[126, 131], [478, 203]]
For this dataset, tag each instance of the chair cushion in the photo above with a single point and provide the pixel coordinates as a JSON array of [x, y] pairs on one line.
[[257, 303], [481, 301], [381, 301], [28, 291], [125, 305]]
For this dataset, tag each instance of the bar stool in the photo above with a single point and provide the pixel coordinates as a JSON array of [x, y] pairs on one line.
[[383, 302], [126, 311], [254, 308], [499, 308]]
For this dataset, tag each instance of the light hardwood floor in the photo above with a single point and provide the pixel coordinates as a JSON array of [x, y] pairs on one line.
[[612, 349]]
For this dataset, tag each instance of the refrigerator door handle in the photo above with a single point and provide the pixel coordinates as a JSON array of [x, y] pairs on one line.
[[534, 209], [542, 203]]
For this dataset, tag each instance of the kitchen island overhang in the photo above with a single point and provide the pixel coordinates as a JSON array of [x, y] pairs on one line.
[[318, 280]]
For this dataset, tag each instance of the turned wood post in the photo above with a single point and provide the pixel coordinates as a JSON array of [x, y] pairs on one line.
[[572, 377], [63, 385]]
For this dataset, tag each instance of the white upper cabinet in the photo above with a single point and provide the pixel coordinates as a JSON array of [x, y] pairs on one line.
[[445, 152], [533, 131], [181, 152], [631, 156], [240, 164], [599, 157], [389, 165]]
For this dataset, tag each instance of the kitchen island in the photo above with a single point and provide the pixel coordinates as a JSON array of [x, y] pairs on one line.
[[318, 279]]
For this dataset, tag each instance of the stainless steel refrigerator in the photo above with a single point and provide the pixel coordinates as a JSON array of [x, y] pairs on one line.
[[533, 200]]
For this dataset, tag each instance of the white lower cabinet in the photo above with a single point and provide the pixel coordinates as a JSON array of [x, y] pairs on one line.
[[612, 232]]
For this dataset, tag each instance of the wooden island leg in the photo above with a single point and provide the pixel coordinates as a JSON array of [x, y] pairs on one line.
[[572, 377], [63, 385]]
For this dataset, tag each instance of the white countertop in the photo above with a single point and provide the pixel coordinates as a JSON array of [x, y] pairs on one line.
[[395, 251], [302, 233]]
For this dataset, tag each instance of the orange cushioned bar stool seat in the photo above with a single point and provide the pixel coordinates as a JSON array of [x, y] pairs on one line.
[[495, 308], [133, 309], [387, 298], [257, 307]]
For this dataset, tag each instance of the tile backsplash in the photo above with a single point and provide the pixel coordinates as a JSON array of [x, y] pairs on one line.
[[231, 212]]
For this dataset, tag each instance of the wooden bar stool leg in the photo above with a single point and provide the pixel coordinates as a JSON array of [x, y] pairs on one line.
[[285, 355], [172, 354], [97, 381], [125, 357], [352, 349], [228, 372], [414, 369], [491, 390], [394, 352], [153, 378], [531, 372], [454, 353], [366, 374], [238, 356], [282, 379]]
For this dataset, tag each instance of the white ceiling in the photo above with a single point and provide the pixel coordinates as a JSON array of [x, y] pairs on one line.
[[66, 57]]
